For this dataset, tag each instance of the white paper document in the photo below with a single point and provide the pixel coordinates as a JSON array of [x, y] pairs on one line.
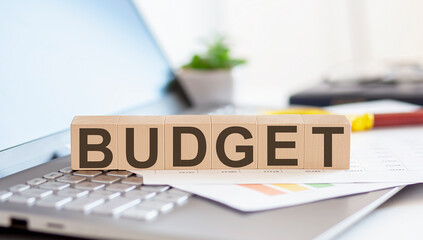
[[391, 155], [257, 197]]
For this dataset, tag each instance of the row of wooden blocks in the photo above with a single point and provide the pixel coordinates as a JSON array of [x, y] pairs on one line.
[[210, 142]]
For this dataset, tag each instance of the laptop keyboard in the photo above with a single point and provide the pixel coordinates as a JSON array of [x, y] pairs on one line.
[[107, 193]]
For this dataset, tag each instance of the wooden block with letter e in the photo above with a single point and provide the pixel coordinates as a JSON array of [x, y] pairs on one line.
[[327, 142], [234, 142], [94, 142], [141, 142], [280, 141], [188, 142]]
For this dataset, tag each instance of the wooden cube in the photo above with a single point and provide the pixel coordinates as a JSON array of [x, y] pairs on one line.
[[280, 141], [234, 142], [327, 142], [94, 142], [141, 142], [188, 142]]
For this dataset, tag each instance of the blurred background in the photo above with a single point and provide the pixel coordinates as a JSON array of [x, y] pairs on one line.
[[290, 45]]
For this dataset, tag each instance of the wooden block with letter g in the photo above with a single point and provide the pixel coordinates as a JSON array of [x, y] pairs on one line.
[[280, 141], [327, 142], [187, 142], [234, 142], [94, 142], [141, 142]]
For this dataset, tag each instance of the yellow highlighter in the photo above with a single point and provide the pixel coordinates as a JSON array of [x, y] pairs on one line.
[[358, 122]]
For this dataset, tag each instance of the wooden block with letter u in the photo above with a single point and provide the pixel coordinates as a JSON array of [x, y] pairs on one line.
[[280, 141], [187, 142], [327, 142], [141, 142], [94, 142]]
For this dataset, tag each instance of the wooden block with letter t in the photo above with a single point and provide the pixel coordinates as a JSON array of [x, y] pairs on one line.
[[327, 142], [234, 142], [141, 142], [188, 142], [280, 141], [94, 142]]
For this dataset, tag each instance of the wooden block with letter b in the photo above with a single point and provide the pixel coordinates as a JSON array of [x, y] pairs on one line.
[[188, 142], [141, 142], [234, 142], [327, 142], [94, 142], [280, 141]]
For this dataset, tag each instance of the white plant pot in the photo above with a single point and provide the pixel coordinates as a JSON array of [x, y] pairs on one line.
[[207, 87]]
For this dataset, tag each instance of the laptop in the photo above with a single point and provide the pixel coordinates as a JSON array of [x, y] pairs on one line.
[[76, 57]]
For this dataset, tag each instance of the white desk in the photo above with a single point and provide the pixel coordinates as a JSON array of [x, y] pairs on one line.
[[399, 218]]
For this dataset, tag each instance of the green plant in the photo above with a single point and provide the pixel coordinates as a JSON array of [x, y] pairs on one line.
[[217, 56]]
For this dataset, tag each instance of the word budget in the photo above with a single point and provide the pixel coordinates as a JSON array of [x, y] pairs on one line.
[[186, 142]]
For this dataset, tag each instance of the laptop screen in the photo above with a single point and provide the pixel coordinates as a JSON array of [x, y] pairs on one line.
[[73, 57]]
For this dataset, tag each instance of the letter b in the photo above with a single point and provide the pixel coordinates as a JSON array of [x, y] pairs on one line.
[[86, 147]]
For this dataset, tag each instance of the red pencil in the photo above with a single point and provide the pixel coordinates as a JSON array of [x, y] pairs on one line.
[[398, 119]]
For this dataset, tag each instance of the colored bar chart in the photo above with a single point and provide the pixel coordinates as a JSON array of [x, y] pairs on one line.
[[291, 187], [278, 189], [256, 197], [261, 188]]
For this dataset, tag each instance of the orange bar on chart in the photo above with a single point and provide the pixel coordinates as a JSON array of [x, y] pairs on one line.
[[263, 189], [291, 187]]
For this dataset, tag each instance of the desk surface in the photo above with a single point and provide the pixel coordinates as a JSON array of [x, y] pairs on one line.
[[398, 218]]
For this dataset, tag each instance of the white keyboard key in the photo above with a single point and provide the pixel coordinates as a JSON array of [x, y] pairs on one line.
[[84, 204], [117, 173], [37, 192], [21, 199], [133, 180], [66, 170], [52, 175], [71, 179], [91, 186], [140, 194], [19, 188], [140, 214], [116, 206], [105, 179], [36, 181], [71, 192], [54, 185], [159, 205], [176, 198], [53, 201], [105, 194], [155, 188], [5, 195], [87, 173], [120, 187]]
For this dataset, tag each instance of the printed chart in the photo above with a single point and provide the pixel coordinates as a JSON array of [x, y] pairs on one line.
[[256, 197]]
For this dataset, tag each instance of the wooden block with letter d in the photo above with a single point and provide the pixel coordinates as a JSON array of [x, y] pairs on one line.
[[188, 142], [234, 142], [141, 142], [94, 142], [327, 142], [280, 141]]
